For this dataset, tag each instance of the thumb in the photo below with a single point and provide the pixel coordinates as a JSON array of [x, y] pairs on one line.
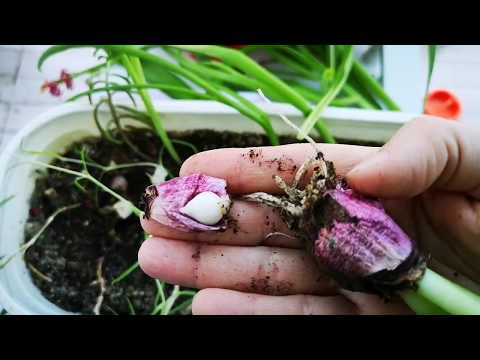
[[427, 152]]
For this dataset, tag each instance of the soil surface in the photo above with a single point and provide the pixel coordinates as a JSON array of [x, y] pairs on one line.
[[93, 240]]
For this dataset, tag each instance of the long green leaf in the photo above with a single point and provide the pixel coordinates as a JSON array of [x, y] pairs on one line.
[[211, 88], [341, 76], [432, 54], [6, 200], [56, 49], [243, 62], [187, 94], [155, 74], [363, 77]]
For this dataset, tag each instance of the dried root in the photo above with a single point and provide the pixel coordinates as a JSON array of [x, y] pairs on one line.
[[296, 202], [102, 284]]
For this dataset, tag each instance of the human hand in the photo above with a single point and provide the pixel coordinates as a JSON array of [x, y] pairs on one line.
[[428, 174]]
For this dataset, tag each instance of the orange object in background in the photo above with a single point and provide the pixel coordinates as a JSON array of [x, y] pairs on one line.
[[444, 104]]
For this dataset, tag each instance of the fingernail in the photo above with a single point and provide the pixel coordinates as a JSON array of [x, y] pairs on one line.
[[364, 167]]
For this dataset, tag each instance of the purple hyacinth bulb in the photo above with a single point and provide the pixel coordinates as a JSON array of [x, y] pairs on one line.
[[358, 238], [191, 203]]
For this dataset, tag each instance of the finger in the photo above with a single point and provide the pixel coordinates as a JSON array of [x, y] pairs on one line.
[[252, 170], [457, 219], [368, 304], [426, 152], [228, 302], [250, 225], [262, 270]]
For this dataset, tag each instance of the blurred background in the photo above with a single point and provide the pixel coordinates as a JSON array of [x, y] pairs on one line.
[[401, 68]]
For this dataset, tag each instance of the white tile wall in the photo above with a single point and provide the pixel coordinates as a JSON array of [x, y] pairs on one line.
[[10, 61]]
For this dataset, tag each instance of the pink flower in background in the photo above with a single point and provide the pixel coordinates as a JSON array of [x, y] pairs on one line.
[[53, 87], [67, 79]]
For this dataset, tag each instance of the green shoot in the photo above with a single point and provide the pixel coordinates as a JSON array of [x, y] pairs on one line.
[[450, 297], [432, 54], [39, 274], [186, 92], [241, 61], [23, 248], [128, 52], [126, 273], [420, 305], [6, 200], [135, 70], [181, 308], [330, 72], [187, 144], [165, 306], [331, 57], [341, 77], [369, 82], [130, 306], [87, 176], [160, 295]]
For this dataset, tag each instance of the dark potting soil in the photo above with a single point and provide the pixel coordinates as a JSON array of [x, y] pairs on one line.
[[65, 260]]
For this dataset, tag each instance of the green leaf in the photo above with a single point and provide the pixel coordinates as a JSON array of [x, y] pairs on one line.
[[341, 76], [56, 49], [241, 61], [130, 306], [155, 74], [6, 200], [186, 93], [126, 273], [432, 54]]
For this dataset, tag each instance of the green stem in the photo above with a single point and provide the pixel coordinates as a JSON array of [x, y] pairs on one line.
[[89, 177], [125, 273], [341, 77], [181, 307], [244, 63], [331, 57], [249, 66], [258, 115], [6, 200], [420, 305], [432, 54], [23, 248], [134, 68], [317, 69], [189, 93], [210, 88], [362, 74], [451, 297], [229, 56], [362, 101]]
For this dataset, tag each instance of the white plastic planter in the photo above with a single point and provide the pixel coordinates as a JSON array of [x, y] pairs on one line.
[[57, 128]]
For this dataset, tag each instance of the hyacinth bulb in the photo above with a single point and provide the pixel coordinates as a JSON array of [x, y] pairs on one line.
[[358, 242], [191, 203]]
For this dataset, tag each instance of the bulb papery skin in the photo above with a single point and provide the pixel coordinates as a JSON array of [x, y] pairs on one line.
[[358, 242], [192, 203]]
